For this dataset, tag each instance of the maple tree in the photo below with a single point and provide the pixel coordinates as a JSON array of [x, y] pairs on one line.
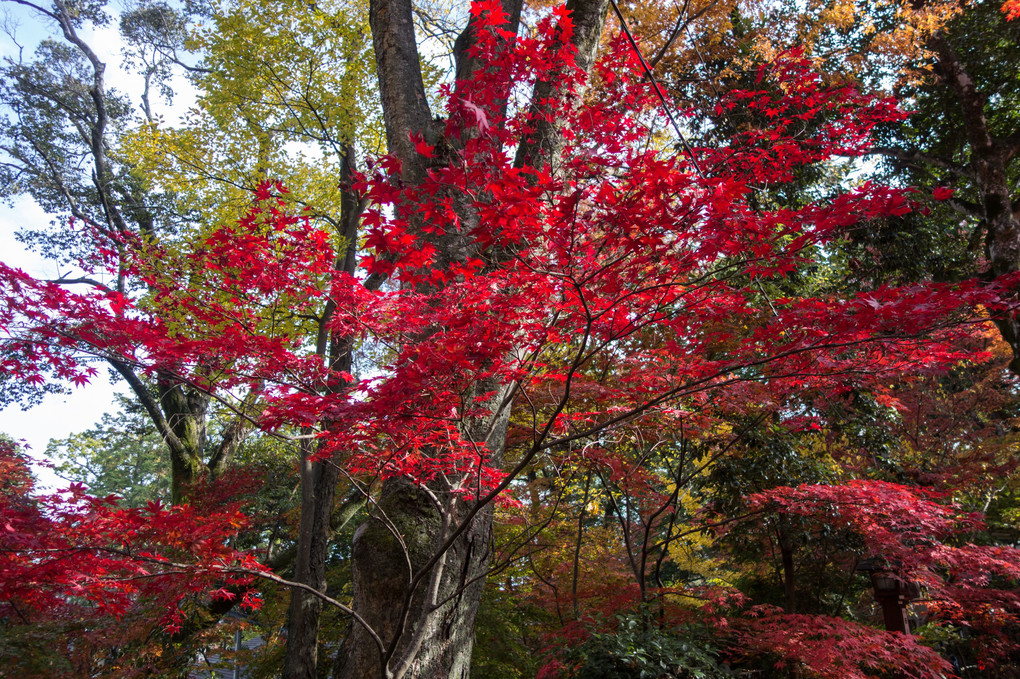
[[908, 530], [562, 291], [72, 559]]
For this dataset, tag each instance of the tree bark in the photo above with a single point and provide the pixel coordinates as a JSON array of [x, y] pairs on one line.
[[414, 585], [319, 477], [185, 411], [318, 489], [429, 628], [989, 157], [789, 574]]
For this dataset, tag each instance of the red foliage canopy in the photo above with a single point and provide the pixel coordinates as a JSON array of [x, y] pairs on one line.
[[619, 253]]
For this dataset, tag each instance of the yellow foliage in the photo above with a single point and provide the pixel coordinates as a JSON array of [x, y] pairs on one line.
[[285, 89]]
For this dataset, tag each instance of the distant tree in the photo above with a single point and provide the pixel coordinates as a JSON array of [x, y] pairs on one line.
[[123, 455]]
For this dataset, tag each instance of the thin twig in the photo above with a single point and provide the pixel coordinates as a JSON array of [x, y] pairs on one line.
[[658, 89]]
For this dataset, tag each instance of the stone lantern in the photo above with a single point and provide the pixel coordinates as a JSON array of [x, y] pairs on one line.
[[892, 593]]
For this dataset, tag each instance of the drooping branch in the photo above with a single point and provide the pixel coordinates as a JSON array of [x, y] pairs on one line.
[[148, 402]]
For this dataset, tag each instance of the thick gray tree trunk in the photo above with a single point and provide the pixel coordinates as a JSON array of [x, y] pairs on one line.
[[417, 580], [426, 640]]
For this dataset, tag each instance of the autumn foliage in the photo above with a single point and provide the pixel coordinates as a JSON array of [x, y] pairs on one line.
[[621, 291]]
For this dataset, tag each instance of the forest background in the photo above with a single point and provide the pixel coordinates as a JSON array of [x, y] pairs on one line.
[[497, 339]]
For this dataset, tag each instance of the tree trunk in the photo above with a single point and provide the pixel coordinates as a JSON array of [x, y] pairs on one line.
[[424, 639], [989, 157], [319, 478], [416, 586], [185, 411], [789, 574], [318, 488]]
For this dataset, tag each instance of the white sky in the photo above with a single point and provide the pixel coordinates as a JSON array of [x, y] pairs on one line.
[[58, 415]]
